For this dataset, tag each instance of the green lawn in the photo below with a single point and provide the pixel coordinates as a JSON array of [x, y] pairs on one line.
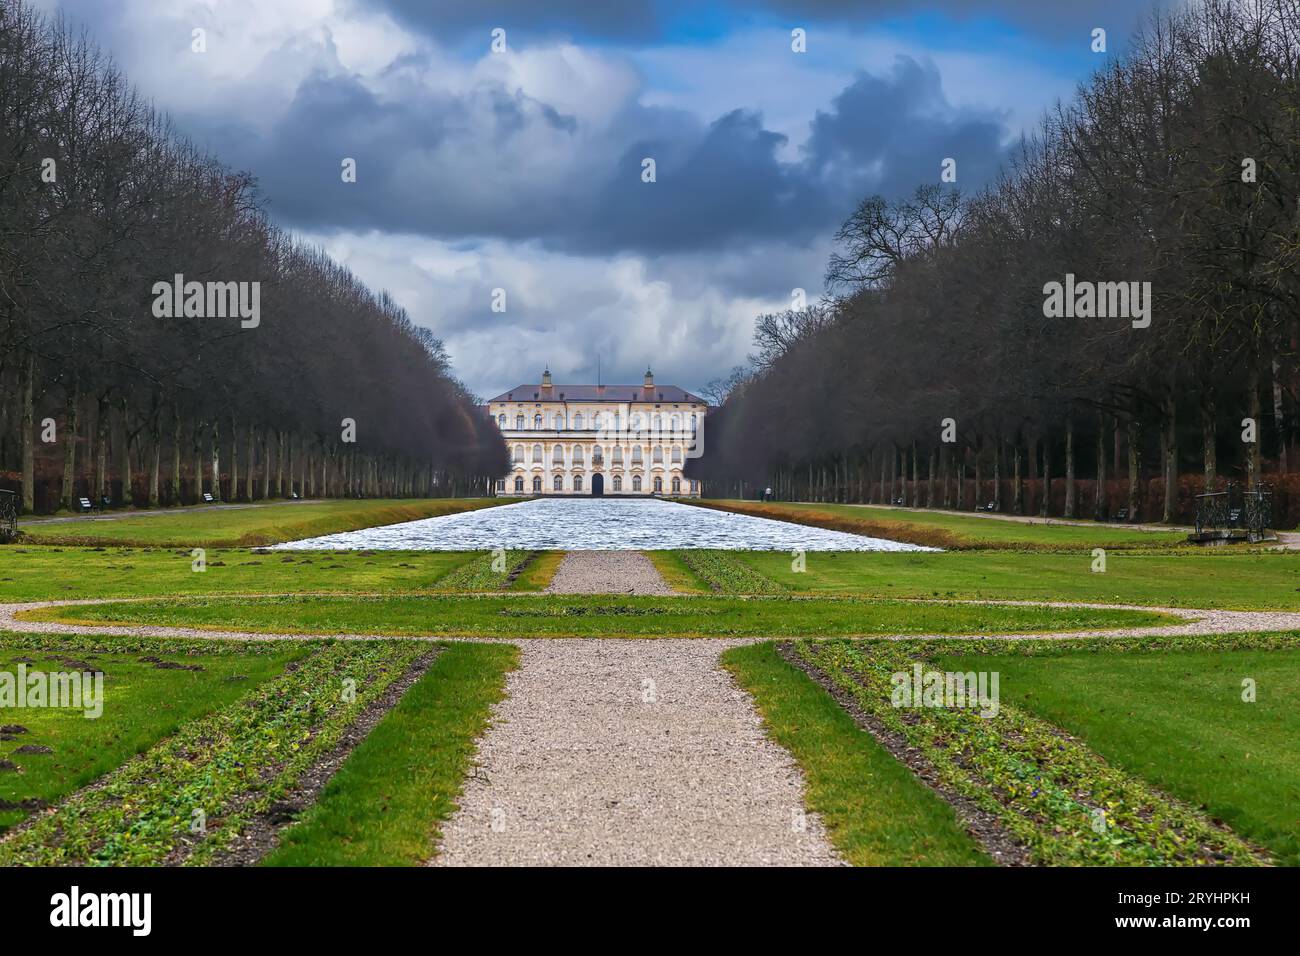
[[877, 813], [1258, 580], [952, 529], [1177, 720], [1057, 795], [594, 616], [38, 573], [142, 703], [385, 805], [252, 526]]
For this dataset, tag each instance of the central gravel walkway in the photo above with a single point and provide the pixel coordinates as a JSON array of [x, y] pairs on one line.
[[607, 572], [630, 752]]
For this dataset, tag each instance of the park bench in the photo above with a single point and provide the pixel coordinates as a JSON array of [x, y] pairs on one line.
[[1121, 515], [208, 499], [84, 505], [293, 496], [991, 506], [899, 501]]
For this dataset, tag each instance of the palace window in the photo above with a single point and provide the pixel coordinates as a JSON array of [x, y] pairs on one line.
[[677, 454], [636, 482], [658, 423], [501, 484], [618, 454], [501, 421], [658, 458], [577, 454], [677, 486], [577, 422], [537, 484], [537, 422], [577, 482], [595, 422], [559, 422], [636, 455], [558, 483], [676, 424], [659, 486], [519, 454], [618, 482], [519, 482], [519, 423], [537, 454], [557, 456], [597, 455]]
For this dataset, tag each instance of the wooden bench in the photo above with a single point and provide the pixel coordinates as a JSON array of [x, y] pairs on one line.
[[84, 505], [1121, 515], [208, 499]]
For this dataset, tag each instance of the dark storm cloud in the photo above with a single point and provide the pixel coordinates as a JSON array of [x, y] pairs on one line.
[[450, 20], [457, 167]]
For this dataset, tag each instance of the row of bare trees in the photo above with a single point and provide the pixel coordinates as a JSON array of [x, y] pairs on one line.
[[937, 373], [329, 390]]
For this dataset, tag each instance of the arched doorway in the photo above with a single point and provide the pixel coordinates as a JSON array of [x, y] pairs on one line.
[[597, 484]]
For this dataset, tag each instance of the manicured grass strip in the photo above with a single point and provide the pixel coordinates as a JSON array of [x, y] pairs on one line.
[[1207, 579], [1177, 719], [217, 770], [949, 530], [539, 572], [142, 703], [725, 572], [876, 811], [258, 525], [1052, 793], [39, 573], [386, 804], [594, 616], [677, 573], [488, 571]]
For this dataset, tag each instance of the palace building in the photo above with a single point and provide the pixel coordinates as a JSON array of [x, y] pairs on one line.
[[599, 439]]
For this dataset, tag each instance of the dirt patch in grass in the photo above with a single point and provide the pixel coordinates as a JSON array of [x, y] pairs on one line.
[[980, 824]]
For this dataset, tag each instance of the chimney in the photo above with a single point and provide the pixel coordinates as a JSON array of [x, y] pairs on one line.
[[649, 379], [546, 378]]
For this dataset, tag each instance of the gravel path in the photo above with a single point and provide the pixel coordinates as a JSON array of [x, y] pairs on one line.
[[607, 572], [630, 753]]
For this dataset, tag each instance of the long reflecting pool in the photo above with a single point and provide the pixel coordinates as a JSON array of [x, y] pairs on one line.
[[597, 524]]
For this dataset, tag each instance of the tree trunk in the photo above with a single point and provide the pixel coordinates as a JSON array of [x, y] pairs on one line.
[[1279, 418], [249, 477], [29, 437], [234, 460], [929, 476], [68, 491], [1209, 444], [1252, 452], [216, 460], [1069, 466], [1045, 506], [1171, 459], [155, 463], [1134, 467], [176, 456], [1099, 503], [1017, 483]]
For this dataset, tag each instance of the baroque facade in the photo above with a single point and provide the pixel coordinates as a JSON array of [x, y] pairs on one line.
[[599, 439]]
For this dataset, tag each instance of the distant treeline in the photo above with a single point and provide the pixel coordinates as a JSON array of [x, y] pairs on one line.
[[256, 386], [945, 368]]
